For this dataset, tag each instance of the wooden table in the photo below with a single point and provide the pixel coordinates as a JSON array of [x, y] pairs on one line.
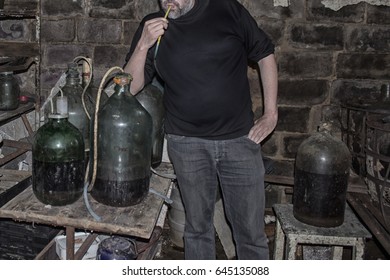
[[137, 221]]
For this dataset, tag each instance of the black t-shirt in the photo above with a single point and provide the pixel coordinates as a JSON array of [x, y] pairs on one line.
[[203, 59]]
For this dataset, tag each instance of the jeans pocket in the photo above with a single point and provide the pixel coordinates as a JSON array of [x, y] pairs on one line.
[[246, 139], [174, 137]]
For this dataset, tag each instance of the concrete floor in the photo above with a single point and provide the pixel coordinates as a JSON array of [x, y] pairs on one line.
[[169, 251]]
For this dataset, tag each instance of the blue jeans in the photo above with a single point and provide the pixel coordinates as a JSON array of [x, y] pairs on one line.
[[237, 166]]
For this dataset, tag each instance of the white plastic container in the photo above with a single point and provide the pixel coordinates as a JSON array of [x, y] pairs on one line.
[[79, 238]]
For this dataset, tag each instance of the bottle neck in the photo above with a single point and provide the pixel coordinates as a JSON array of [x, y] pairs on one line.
[[122, 89], [325, 127], [58, 118], [72, 81]]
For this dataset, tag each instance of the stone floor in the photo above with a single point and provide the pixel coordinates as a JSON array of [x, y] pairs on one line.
[[171, 252]]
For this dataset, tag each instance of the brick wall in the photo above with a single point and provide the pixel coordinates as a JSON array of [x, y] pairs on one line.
[[325, 56]]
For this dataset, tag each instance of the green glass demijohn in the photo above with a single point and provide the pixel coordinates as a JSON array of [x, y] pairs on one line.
[[151, 98], [124, 145], [58, 159], [73, 90], [9, 91]]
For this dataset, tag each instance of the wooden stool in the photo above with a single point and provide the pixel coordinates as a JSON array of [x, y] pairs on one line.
[[290, 233]]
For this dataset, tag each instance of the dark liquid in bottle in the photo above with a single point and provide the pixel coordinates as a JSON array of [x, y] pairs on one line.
[[58, 184], [120, 193], [320, 199]]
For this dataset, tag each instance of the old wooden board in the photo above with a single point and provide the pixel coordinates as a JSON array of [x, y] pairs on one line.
[[138, 220], [10, 177], [6, 116], [20, 8], [371, 216], [12, 182]]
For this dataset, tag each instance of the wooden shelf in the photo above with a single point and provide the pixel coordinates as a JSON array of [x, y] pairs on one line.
[[16, 56], [17, 14], [15, 64], [19, 49], [18, 147], [6, 116], [13, 182], [137, 220], [371, 216], [19, 9]]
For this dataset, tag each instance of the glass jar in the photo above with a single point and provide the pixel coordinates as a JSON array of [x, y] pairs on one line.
[[58, 162], [9, 91], [117, 248]]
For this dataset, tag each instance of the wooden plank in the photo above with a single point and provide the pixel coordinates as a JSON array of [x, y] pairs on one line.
[[15, 49], [9, 178], [85, 246], [138, 220], [371, 218], [13, 175], [19, 8], [9, 193], [49, 252], [18, 63], [278, 179], [6, 116]]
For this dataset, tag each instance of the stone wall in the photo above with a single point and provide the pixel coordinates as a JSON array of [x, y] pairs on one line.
[[326, 55]]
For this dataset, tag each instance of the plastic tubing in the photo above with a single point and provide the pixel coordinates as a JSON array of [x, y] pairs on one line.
[[159, 38], [95, 125], [89, 186], [77, 59]]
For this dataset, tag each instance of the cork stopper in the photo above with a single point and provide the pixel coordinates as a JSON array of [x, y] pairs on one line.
[[123, 79]]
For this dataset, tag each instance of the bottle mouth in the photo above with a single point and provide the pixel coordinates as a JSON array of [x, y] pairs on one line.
[[58, 116], [123, 79]]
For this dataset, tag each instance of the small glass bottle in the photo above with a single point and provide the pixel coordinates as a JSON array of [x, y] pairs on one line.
[[9, 91], [58, 161]]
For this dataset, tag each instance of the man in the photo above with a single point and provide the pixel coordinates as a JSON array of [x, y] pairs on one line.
[[212, 139]]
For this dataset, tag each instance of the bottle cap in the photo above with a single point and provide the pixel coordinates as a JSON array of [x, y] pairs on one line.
[[62, 105]]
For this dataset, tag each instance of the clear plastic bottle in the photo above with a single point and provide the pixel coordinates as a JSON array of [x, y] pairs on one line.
[[124, 146]]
